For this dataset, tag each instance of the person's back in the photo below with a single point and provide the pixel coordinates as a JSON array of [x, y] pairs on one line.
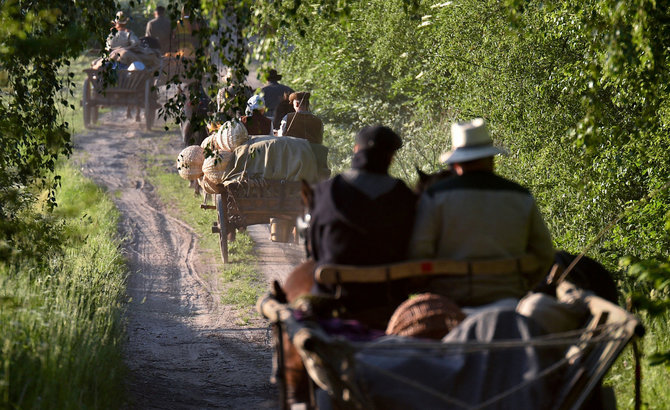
[[255, 122], [361, 218], [304, 125], [160, 28], [123, 38], [273, 92], [365, 217], [478, 215]]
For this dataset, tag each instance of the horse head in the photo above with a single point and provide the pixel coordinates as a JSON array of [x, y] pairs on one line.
[[426, 180]]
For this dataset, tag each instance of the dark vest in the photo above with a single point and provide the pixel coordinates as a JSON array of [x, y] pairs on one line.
[[257, 124], [348, 227], [304, 125]]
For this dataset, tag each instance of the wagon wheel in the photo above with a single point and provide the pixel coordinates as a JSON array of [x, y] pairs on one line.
[[223, 227], [149, 112], [94, 114], [85, 102]]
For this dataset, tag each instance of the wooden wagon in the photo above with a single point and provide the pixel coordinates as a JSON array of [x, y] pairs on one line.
[[334, 366], [124, 88], [241, 204]]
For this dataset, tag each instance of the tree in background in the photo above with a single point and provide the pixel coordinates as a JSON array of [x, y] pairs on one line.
[[37, 39], [578, 93]]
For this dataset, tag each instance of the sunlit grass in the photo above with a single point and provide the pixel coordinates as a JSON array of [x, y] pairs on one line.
[[60, 329]]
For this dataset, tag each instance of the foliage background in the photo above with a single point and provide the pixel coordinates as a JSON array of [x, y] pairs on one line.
[[576, 91]]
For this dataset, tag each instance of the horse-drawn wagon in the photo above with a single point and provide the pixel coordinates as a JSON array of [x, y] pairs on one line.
[[119, 88], [261, 185], [481, 371]]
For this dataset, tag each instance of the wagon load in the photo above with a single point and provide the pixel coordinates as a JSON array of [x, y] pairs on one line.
[[215, 166], [427, 315], [231, 135], [210, 143], [190, 161], [273, 158]]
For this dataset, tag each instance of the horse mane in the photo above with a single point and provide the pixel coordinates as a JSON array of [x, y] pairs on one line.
[[426, 180]]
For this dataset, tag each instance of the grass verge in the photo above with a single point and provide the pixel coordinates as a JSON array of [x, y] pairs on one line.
[[242, 284], [60, 324], [655, 379]]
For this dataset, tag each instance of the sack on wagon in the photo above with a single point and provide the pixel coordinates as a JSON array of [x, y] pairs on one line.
[[274, 158]]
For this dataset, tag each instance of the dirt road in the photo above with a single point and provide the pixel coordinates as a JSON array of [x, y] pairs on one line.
[[184, 350]]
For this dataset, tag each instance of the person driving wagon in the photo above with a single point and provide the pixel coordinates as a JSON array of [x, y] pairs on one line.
[[360, 217], [479, 215]]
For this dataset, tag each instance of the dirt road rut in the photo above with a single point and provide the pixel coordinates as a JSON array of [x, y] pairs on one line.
[[184, 350]]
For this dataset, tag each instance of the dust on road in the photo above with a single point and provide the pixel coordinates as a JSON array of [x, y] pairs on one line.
[[184, 349]]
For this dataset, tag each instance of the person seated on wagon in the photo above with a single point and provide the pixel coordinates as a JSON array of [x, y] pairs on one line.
[[283, 107], [360, 217], [302, 123], [479, 215], [273, 92], [255, 121], [365, 217], [124, 37]]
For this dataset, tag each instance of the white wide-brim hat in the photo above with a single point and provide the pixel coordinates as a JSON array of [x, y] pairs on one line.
[[470, 140]]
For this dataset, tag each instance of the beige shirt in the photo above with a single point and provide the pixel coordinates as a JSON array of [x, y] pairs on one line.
[[122, 39], [481, 216]]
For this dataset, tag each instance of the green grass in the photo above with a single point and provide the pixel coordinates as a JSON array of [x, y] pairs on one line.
[[243, 285], [655, 379], [60, 327]]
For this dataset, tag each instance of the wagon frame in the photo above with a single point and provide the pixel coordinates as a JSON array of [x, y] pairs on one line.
[[592, 349], [123, 88], [239, 205]]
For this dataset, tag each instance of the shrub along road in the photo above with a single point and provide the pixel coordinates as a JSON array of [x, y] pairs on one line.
[[184, 349]]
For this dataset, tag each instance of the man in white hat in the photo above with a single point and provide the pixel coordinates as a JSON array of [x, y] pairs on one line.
[[123, 37], [478, 215]]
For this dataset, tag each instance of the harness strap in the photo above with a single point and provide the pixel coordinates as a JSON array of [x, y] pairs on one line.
[[327, 274]]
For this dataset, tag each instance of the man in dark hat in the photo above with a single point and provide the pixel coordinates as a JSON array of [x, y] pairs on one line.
[[360, 217], [273, 92], [363, 216], [302, 123], [160, 28]]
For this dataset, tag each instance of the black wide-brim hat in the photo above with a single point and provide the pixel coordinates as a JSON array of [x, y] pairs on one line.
[[273, 76]]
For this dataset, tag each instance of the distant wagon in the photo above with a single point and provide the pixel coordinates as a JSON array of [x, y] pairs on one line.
[[253, 179], [119, 88]]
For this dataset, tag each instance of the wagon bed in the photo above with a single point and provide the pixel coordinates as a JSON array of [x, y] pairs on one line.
[[119, 88], [332, 362], [241, 204]]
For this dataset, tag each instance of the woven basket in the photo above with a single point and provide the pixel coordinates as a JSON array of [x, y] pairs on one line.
[[210, 142], [208, 186], [231, 135], [426, 315], [214, 168], [189, 162]]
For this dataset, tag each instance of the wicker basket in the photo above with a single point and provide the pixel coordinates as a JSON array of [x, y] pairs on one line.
[[210, 142], [214, 168], [231, 135], [426, 315], [189, 162], [208, 186]]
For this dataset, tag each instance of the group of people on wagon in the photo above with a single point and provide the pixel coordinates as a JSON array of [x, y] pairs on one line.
[[364, 216]]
